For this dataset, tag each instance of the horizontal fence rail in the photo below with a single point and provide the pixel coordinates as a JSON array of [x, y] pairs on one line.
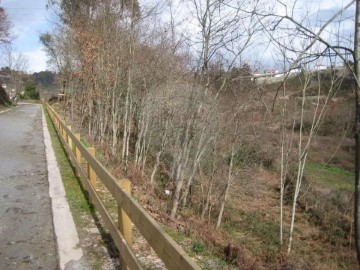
[[129, 211]]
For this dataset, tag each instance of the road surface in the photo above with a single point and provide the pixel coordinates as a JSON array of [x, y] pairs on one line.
[[27, 239]]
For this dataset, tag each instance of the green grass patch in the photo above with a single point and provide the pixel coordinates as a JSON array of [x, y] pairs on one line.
[[208, 256], [254, 225], [74, 191], [255, 231], [85, 143], [82, 211], [330, 176]]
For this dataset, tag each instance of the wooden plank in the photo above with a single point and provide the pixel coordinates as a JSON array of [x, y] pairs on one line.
[[91, 172], [77, 152], [69, 139], [125, 223], [167, 249], [125, 251]]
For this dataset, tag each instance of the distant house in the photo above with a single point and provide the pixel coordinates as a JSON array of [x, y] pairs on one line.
[[271, 72], [320, 67], [295, 71]]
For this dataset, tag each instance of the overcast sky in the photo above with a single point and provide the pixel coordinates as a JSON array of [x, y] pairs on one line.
[[29, 18]]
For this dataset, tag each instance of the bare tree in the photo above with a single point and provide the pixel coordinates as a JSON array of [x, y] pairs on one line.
[[220, 39], [312, 38], [18, 65], [4, 27]]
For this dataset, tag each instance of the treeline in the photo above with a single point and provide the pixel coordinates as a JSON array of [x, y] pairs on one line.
[[157, 99], [29, 86], [174, 101]]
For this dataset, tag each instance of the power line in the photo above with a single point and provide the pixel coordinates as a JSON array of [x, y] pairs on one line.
[[30, 8]]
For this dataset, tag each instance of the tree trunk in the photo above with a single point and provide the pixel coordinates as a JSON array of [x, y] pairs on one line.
[[207, 203], [156, 165], [357, 130], [176, 199], [222, 207], [230, 176]]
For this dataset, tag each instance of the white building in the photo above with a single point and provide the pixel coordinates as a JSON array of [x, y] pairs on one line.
[[320, 67]]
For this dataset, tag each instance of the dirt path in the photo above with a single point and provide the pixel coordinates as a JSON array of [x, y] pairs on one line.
[[27, 238]]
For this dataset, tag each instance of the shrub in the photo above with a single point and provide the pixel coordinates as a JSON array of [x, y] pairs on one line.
[[31, 92], [246, 155], [198, 246]]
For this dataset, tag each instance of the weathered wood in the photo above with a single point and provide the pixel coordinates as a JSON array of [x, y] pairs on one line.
[[170, 252], [69, 141], [125, 251], [77, 151], [124, 222], [91, 172]]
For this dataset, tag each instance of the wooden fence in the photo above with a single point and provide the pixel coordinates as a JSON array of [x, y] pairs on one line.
[[129, 211]]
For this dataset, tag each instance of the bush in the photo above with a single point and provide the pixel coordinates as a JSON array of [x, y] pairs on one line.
[[198, 246], [248, 154], [31, 92], [4, 99]]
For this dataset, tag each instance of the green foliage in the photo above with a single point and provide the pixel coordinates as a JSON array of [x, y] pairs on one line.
[[31, 92], [45, 78], [253, 227], [330, 176], [4, 99], [85, 142], [198, 246]]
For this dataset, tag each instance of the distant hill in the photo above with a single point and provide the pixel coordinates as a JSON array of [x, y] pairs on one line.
[[45, 79]]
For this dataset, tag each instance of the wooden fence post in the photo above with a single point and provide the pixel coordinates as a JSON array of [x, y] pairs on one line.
[[77, 152], [63, 133], [124, 222], [69, 141], [91, 172]]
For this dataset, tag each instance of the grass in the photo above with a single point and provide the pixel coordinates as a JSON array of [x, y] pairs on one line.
[[330, 176], [74, 192], [83, 212], [207, 255], [254, 227], [85, 143]]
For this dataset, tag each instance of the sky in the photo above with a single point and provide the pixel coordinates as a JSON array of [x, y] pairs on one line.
[[30, 18]]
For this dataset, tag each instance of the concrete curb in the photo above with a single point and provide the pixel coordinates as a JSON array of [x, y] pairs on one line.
[[5, 111], [65, 231]]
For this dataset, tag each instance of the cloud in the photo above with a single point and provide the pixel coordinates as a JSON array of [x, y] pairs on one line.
[[37, 60], [29, 19]]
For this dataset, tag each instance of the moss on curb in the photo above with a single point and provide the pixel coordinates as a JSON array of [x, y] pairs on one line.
[[82, 211]]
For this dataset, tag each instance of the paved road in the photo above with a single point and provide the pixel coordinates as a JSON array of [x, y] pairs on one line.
[[27, 238]]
